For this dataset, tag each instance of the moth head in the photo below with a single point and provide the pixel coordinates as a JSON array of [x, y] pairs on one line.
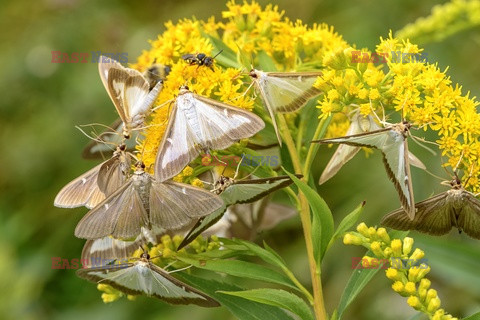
[[456, 183], [140, 166], [122, 147], [253, 73], [184, 89], [145, 256]]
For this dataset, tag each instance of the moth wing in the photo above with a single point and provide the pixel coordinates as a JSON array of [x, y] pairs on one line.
[[83, 191], [246, 191], [174, 205], [344, 152], [177, 149], [270, 109], [172, 290], [106, 274], [104, 66], [414, 161], [113, 173], [120, 215], [289, 91], [395, 158], [469, 218], [433, 216], [222, 124]]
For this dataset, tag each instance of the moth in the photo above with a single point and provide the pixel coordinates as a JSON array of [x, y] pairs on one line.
[[114, 134], [91, 187], [197, 124], [359, 124], [200, 59], [143, 201], [99, 251], [438, 214], [392, 142], [233, 192], [129, 91], [284, 91], [144, 277]]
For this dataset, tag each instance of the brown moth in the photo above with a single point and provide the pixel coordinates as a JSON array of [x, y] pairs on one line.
[[438, 214]]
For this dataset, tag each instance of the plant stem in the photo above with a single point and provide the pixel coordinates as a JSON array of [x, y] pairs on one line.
[[304, 211], [312, 150]]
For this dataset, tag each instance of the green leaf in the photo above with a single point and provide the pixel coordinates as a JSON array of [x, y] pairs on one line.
[[228, 57], [348, 222], [475, 316], [277, 298], [265, 62], [334, 315], [241, 269], [322, 220], [359, 279], [265, 255], [241, 308]]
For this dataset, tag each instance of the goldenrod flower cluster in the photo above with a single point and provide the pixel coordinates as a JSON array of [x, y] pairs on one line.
[[406, 271], [398, 77], [248, 32], [444, 21]]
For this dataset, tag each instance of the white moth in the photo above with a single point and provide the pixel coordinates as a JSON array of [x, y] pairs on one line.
[[344, 153], [143, 201], [142, 277], [392, 142], [198, 124], [91, 187], [130, 93], [284, 91]]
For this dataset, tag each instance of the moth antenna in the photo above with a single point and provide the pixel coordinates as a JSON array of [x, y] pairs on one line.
[[238, 167], [163, 104], [469, 175], [417, 141], [244, 93], [458, 164], [251, 173], [98, 124], [177, 270], [96, 139], [383, 122]]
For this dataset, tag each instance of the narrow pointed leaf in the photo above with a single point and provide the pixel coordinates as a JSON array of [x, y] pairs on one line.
[[277, 298], [322, 219], [241, 308], [241, 269], [348, 222]]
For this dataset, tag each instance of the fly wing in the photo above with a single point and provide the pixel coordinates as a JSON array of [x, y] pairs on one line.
[[121, 215], [433, 216], [469, 218], [289, 91], [344, 152], [222, 125], [174, 205], [177, 149], [83, 191]]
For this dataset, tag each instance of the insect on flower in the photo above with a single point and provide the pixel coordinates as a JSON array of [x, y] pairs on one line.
[[438, 214], [142, 201], [284, 91], [91, 187], [392, 142], [197, 124], [129, 91], [144, 277], [200, 59]]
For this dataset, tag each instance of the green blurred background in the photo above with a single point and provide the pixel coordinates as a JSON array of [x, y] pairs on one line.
[[41, 102]]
